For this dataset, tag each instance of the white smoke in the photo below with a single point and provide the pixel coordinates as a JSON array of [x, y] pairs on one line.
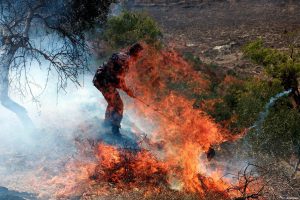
[[61, 119], [264, 114], [58, 118]]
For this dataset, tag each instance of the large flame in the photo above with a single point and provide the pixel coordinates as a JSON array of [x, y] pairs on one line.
[[170, 156], [183, 132], [125, 168]]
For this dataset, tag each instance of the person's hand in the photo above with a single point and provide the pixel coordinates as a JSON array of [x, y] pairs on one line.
[[130, 93]]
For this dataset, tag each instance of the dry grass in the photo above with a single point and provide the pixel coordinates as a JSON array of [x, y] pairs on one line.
[[141, 194]]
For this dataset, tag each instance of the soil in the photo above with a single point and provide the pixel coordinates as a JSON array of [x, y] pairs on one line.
[[200, 26]]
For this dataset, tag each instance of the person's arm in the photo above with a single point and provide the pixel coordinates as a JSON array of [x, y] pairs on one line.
[[124, 87], [95, 79]]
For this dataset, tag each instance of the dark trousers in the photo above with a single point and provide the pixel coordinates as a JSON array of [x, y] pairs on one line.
[[114, 109]]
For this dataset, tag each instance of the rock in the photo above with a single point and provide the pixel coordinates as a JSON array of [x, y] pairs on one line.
[[224, 48], [190, 45]]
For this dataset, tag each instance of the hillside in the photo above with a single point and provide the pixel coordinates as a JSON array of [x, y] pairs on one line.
[[199, 26]]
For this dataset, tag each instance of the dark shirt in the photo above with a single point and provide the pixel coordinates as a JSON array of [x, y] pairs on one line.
[[113, 72]]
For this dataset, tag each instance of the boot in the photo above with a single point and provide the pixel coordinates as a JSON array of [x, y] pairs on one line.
[[116, 130], [210, 154]]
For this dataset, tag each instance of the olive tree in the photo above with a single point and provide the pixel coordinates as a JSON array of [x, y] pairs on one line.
[[45, 31]]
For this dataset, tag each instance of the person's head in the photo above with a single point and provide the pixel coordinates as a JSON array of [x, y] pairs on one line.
[[135, 50]]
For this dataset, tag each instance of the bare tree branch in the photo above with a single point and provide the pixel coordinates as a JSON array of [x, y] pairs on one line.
[[36, 31]]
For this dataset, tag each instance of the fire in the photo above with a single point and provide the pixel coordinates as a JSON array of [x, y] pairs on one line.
[[73, 181], [126, 169], [180, 134], [170, 155], [184, 132]]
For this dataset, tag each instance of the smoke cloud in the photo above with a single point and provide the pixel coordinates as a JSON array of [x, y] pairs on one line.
[[59, 119]]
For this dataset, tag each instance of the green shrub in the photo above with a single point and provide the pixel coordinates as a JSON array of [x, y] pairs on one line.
[[195, 61], [279, 134], [213, 66], [131, 27], [252, 99], [281, 65]]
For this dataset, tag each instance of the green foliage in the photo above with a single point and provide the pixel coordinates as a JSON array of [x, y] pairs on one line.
[[221, 112], [280, 132], [225, 109], [282, 65], [83, 15], [261, 55], [239, 104], [213, 66], [245, 101], [131, 27], [195, 61], [252, 99]]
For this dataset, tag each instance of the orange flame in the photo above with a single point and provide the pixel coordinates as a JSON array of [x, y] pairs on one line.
[[164, 85], [184, 132], [125, 168]]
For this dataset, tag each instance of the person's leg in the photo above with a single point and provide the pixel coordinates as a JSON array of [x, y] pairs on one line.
[[117, 113], [108, 114], [108, 94], [104, 89], [114, 110]]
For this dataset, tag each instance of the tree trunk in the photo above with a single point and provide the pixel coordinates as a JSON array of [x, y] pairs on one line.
[[6, 57], [296, 97]]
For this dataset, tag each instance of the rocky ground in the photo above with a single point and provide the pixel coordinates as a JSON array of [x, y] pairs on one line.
[[217, 29]]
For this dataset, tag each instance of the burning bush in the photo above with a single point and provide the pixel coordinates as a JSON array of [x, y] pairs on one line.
[[128, 169], [171, 156], [183, 131]]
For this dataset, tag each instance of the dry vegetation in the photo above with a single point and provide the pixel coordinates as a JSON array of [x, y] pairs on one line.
[[200, 26]]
